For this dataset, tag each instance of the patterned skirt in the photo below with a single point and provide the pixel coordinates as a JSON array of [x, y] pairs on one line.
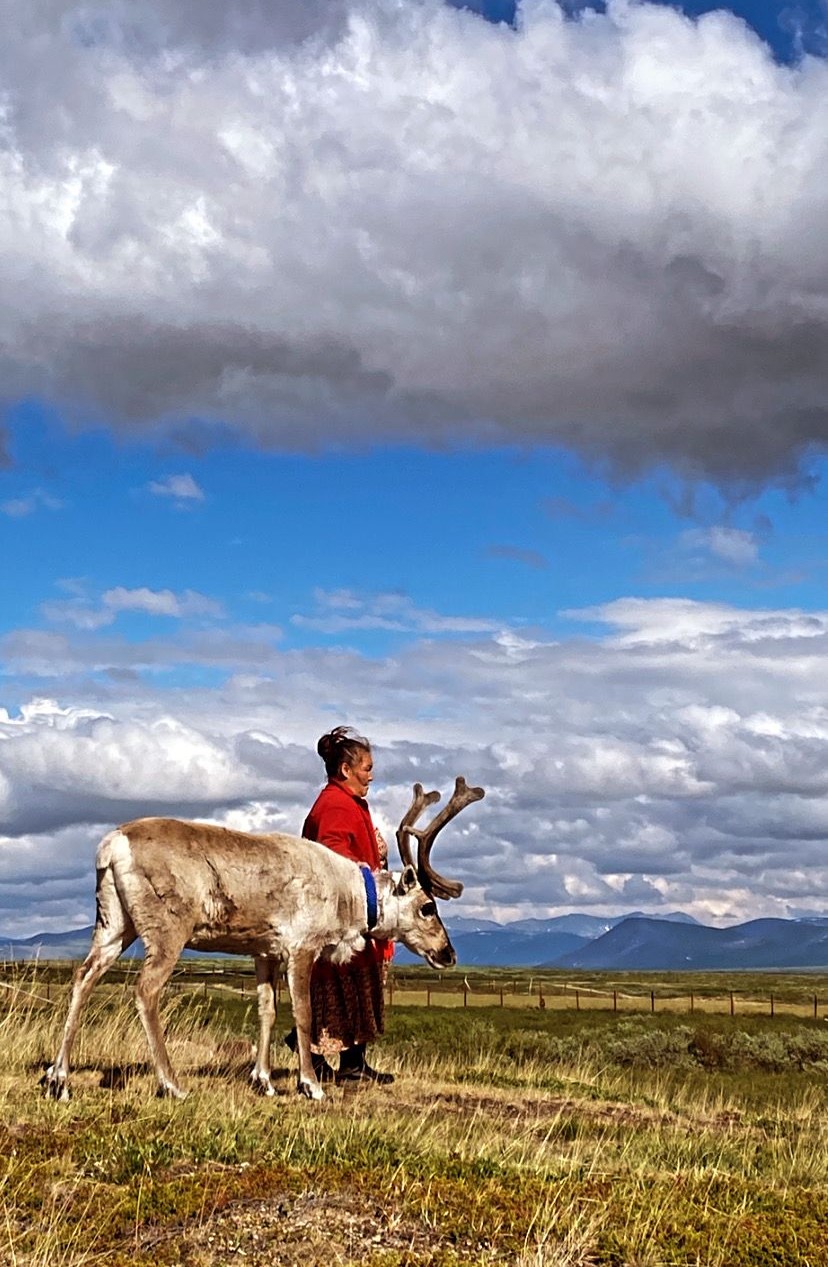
[[347, 1002]]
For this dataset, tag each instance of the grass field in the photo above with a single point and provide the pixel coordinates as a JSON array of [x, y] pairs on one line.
[[527, 1136]]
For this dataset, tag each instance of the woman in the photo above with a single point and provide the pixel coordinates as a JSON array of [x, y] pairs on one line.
[[347, 1000]]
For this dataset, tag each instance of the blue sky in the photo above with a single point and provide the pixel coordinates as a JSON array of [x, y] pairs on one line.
[[465, 382], [504, 536]]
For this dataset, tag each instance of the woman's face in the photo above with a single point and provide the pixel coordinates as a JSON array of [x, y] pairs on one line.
[[357, 778]]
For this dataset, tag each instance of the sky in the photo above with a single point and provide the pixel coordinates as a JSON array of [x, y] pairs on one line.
[[455, 373]]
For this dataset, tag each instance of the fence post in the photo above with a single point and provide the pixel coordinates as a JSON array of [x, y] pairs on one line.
[[771, 1001], [815, 1007], [652, 1000], [577, 1000], [501, 996], [615, 1000], [732, 1005], [692, 1002]]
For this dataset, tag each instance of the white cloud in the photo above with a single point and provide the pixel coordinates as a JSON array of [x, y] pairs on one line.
[[367, 234], [681, 751], [99, 768], [160, 602], [343, 610], [686, 621], [181, 488], [84, 613], [734, 546], [22, 507]]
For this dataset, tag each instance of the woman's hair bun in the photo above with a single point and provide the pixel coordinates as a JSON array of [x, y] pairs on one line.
[[338, 745]]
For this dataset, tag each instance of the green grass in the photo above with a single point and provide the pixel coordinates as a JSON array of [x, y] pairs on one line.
[[530, 1137]]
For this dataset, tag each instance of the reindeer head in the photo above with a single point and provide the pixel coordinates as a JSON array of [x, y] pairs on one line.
[[419, 926]]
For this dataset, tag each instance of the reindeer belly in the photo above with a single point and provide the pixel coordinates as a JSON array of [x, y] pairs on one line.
[[239, 941]]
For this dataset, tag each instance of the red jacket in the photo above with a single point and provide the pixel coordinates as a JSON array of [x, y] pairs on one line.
[[342, 821]]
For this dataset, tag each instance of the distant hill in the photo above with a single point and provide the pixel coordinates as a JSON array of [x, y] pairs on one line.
[[463, 925], [586, 926], [511, 948], [632, 942], [71, 945], [657, 944]]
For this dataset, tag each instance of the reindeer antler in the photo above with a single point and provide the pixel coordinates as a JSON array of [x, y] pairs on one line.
[[421, 801], [431, 880]]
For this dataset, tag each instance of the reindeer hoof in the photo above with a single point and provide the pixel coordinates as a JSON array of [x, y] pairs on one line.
[[310, 1090], [56, 1088], [261, 1084], [167, 1092]]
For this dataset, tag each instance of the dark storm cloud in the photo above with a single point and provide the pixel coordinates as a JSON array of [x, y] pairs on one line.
[[396, 221]]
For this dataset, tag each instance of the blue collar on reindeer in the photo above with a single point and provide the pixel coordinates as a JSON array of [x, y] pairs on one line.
[[370, 894]]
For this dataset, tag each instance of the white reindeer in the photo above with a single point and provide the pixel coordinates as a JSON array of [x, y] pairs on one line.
[[281, 899]]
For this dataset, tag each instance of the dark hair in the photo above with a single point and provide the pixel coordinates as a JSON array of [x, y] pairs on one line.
[[342, 744]]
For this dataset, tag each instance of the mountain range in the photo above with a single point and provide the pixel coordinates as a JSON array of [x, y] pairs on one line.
[[633, 942]]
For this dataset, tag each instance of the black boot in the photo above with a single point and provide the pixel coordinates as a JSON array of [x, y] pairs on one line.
[[324, 1072], [353, 1067]]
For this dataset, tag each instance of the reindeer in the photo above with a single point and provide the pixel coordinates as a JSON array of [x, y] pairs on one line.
[[281, 899]]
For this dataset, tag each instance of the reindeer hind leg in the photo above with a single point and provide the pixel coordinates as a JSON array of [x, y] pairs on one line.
[[114, 933]]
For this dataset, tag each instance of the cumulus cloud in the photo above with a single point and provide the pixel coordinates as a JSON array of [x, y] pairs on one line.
[[79, 610], [373, 220], [160, 602], [65, 767], [679, 751]]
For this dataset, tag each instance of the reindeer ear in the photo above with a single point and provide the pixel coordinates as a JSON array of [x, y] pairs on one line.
[[406, 882]]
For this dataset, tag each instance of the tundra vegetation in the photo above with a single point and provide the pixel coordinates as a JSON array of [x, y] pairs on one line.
[[523, 1136]]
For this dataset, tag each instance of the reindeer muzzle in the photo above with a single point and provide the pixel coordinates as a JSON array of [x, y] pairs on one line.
[[445, 958]]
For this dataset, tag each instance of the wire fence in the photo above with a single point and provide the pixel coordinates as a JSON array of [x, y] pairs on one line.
[[48, 983], [583, 997]]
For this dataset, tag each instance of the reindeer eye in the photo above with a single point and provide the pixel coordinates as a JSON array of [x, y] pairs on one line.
[[427, 909]]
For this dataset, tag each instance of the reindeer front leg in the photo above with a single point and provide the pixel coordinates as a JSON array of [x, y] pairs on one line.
[[159, 961], [300, 966], [266, 973]]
